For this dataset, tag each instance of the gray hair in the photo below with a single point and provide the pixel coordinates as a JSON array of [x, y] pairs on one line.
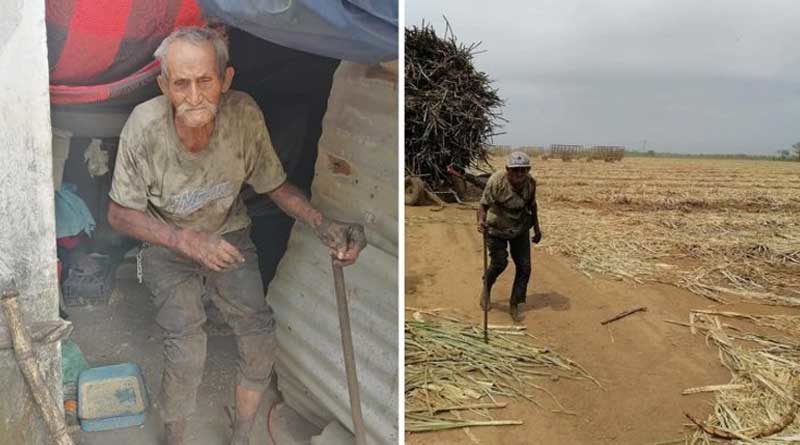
[[197, 36]]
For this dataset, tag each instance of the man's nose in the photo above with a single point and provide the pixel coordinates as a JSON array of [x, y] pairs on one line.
[[194, 97]]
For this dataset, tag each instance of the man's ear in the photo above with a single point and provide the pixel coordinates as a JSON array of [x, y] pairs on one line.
[[226, 82], [163, 84]]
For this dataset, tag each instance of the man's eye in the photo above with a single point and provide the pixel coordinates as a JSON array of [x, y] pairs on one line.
[[181, 83]]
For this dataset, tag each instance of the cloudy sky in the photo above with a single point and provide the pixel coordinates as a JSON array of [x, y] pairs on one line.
[[713, 76]]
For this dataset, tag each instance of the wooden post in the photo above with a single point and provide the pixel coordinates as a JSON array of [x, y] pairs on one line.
[[23, 350]]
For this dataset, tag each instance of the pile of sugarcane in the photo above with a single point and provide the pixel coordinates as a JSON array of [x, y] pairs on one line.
[[452, 111], [760, 403], [453, 377]]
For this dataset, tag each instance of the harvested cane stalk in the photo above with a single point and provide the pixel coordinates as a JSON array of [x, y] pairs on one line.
[[624, 314], [713, 388], [764, 431], [23, 350], [762, 398], [449, 369]]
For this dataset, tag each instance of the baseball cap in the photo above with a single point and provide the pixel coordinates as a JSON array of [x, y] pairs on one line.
[[518, 159]]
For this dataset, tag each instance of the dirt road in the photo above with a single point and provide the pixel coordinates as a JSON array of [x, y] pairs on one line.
[[642, 362]]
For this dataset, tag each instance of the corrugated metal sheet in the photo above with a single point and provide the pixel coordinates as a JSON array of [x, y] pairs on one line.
[[356, 180]]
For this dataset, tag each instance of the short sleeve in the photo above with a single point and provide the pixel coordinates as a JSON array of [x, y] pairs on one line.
[[129, 184], [264, 169], [490, 191]]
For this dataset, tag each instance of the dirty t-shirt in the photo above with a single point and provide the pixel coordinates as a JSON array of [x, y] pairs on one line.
[[508, 210], [155, 173]]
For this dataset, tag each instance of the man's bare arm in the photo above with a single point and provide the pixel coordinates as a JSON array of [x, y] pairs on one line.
[[292, 201], [481, 218], [207, 249], [343, 239], [142, 226]]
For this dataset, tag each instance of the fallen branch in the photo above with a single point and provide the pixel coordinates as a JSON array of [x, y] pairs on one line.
[[624, 314], [458, 407]]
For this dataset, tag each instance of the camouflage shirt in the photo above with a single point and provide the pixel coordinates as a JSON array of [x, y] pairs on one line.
[[155, 173], [509, 211]]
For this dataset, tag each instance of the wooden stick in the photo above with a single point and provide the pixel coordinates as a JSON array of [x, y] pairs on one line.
[[359, 428], [486, 303], [41, 332], [453, 425], [624, 314], [23, 350], [460, 407]]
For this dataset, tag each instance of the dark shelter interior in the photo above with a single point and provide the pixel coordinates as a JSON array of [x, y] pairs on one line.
[[291, 87]]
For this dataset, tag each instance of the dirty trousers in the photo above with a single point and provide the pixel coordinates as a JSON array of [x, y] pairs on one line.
[[177, 285], [520, 248]]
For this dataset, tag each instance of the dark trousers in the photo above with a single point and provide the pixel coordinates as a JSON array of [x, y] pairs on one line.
[[177, 285], [520, 248]]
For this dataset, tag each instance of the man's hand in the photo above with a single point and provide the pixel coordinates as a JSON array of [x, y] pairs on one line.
[[344, 240], [208, 249], [537, 236], [481, 226]]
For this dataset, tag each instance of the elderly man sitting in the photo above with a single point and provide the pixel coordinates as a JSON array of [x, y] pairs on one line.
[[183, 158]]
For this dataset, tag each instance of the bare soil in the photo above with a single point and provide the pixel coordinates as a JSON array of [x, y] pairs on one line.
[[125, 331]]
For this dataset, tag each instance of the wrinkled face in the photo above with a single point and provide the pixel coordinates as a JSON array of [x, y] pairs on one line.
[[192, 83], [517, 175]]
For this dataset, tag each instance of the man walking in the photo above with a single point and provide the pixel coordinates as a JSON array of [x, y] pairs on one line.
[[506, 213], [183, 158]]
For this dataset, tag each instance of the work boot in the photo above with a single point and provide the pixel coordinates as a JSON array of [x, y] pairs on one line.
[[516, 313], [173, 431], [485, 304]]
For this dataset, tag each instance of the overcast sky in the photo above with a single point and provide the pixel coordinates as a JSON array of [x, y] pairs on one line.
[[686, 76]]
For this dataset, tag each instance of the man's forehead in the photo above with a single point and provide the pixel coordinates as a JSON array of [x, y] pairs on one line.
[[189, 58]]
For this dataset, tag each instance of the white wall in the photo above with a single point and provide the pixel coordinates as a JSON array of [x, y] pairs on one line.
[[27, 231]]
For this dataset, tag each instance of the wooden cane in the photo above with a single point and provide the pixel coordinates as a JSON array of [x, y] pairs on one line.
[[485, 289], [349, 354]]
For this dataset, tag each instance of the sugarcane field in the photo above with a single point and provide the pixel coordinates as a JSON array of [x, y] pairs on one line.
[[710, 248], [663, 301]]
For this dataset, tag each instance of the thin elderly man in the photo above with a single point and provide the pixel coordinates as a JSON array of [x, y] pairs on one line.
[[183, 158], [506, 214]]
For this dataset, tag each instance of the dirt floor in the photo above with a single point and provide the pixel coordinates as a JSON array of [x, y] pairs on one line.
[[642, 362], [125, 331]]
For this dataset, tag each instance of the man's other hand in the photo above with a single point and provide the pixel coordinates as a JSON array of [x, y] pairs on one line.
[[208, 249], [537, 236], [344, 240]]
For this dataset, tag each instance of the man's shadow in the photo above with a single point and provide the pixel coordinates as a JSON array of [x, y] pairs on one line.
[[553, 300]]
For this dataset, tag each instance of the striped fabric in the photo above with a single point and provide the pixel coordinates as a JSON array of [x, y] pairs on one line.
[[101, 49]]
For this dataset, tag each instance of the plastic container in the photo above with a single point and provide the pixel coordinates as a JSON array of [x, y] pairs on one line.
[[111, 397]]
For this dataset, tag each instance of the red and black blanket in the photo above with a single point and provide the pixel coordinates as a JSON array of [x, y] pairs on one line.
[[101, 49]]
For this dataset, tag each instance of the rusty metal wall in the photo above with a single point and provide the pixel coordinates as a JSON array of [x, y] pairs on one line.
[[356, 180], [27, 234]]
